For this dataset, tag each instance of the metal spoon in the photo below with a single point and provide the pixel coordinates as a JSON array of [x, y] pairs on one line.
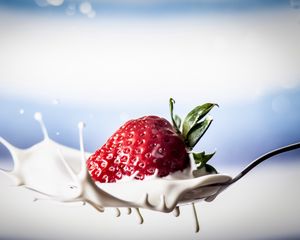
[[250, 167]]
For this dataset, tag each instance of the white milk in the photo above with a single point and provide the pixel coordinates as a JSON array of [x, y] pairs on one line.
[[59, 173]]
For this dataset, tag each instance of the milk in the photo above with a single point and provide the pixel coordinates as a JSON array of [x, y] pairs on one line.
[[59, 173]]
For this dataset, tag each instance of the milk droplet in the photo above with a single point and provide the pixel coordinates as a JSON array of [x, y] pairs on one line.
[[21, 111], [196, 218], [140, 216], [71, 9], [85, 7], [118, 212], [81, 125], [55, 3], [176, 212], [38, 116], [83, 170], [129, 211]]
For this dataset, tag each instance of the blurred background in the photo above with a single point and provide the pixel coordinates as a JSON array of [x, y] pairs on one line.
[[104, 62]]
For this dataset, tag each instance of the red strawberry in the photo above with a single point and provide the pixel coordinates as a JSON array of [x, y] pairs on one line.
[[145, 144]]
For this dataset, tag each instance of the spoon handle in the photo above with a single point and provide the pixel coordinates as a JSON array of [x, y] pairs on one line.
[[263, 158], [251, 166]]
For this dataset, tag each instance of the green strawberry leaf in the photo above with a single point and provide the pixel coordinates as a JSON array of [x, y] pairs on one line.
[[204, 170], [175, 118], [197, 131], [195, 116], [193, 128], [201, 158], [210, 169]]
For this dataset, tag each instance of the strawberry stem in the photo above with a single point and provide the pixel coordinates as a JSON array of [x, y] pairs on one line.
[[193, 128], [175, 118]]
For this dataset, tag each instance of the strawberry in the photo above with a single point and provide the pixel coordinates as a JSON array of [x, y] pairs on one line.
[[151, 144]]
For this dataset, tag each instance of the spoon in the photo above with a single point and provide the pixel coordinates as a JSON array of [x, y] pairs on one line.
[[248, 168]]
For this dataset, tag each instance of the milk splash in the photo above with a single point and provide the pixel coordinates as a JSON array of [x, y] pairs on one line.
[[59, 173]]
